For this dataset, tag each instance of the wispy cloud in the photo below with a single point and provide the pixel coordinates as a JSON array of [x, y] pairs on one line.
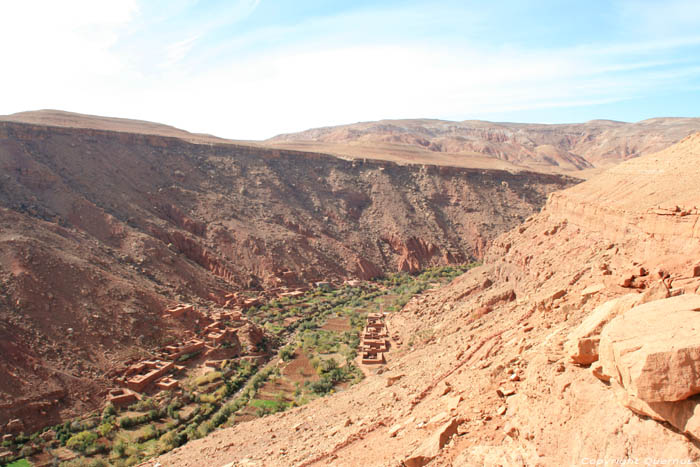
[[238, 75], [177, 51]]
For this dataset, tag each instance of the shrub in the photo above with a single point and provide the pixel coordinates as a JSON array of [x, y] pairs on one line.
[[82, 441], [106, 428], [108, 411], [119, 448], [287, 353], [144, 404], [207, 378]]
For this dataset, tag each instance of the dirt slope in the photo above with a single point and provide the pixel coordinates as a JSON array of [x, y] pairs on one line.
[[566, 147], [102, 229], [506, 325], [61, 118]]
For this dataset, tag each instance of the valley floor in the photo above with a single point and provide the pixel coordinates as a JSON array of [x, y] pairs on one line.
[[319, 352]]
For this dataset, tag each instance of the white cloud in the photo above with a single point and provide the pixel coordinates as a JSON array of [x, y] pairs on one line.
[[177, 51], [291, 91], [660, 18], [111, 58], [55, 52]]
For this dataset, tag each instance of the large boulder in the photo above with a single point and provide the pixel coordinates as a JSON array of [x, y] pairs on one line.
[[653, 350], [432, 445], [582, 343], [683, 415]]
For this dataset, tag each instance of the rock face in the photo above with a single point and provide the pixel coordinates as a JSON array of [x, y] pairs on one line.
[[582, 344], [432, 445], [651, 356], [653, 350]]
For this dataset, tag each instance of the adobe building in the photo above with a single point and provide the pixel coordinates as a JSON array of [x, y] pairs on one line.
[[293, 294], [374, 340], [178, 310], [218, 337], [167, 383], [375, 345], [249, 302], [122, 397], [374, 317], [372, 358], [173, 352], [147, 372], [234, 317], [375, 332]]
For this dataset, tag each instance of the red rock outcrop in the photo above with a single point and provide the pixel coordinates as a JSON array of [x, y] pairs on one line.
[[366, 270], [416, 254], [653, 350]]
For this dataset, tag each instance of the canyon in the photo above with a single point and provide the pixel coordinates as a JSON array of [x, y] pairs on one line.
[[103, 229], [540, 356], [105, 223]]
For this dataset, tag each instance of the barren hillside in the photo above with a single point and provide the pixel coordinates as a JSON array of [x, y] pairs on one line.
[[575, 343], [103, 228], [566, 147]]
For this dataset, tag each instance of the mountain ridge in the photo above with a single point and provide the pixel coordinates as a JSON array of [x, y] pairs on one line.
[[570, 148]]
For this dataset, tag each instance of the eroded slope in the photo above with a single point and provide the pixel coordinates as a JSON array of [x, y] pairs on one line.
[[101, 230]]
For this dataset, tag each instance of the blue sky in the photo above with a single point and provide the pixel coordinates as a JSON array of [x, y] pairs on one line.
[[250, 69]]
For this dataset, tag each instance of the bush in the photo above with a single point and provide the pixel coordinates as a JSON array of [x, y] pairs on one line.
[[127, 422], [106, 428], [119, 448], [82, 441], [146, 433], [108, 411], [208, 378], [321, 387], [287, 353], [144, 404], [173, 407]]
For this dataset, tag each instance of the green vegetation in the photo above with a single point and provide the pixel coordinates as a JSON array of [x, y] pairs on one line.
[[332, 374], [269, 406], [187, 356], [208, 378], [83, 441], [287, 353], [20, 463], [321, 327]]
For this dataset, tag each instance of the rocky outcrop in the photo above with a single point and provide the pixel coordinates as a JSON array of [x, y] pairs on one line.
[[582, 343], [653, 350], [194, 251], [415, 253], [366, 270], [432, 445]]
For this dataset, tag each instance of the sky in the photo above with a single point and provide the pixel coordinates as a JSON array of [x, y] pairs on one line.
[[251, 69]]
